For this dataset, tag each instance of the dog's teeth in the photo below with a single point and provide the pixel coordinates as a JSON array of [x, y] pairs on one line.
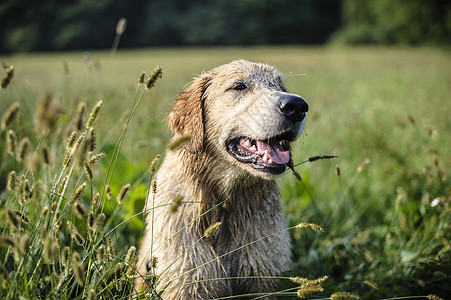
[[247, 143], [253, 148], [266, 156], [270, 161]]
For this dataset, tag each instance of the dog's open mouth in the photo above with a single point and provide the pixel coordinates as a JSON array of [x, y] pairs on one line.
[[270, 155]]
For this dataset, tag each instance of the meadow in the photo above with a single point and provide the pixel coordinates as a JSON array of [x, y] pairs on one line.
[[73, 211]]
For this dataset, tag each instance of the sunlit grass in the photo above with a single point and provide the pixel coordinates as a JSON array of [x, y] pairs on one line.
[[383, 112]]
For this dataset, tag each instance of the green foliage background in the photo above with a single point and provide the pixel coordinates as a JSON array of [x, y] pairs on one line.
[[83, 24]]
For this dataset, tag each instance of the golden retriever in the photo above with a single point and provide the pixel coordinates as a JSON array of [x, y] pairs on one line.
[[241, 121]]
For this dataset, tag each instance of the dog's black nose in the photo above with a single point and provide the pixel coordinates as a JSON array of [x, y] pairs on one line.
[[293, 107]]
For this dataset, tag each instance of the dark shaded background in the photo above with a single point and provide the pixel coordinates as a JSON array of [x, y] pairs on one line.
[[85, 24]]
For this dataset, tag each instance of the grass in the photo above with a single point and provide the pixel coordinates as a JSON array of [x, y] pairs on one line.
[[384, 203]]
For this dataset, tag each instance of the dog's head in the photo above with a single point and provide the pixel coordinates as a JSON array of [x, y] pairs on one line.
[[241, 112]]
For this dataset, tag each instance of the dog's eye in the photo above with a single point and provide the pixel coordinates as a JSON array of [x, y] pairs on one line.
[[239, 86]]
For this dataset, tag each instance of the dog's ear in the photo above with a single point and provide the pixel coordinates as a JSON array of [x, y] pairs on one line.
[[187, 116]]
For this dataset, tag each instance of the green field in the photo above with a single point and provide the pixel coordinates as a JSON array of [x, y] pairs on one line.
[[384, 112]]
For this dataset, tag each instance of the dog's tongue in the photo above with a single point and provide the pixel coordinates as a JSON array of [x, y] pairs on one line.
[[275, 151]]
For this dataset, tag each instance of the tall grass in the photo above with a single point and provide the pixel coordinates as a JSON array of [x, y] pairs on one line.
[[384, 202]]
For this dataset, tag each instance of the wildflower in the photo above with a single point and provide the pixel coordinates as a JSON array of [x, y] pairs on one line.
[[123, 193], [94, 113], [157, 73], [10, 115], [9, 74], [212, 229]]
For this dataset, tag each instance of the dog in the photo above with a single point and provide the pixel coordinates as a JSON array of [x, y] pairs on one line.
[[240, 120]]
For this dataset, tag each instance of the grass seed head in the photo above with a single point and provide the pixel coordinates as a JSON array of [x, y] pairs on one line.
[[108, 191], [79, 209], [10, 115], [344, 296], [95, 203], [363, 165], [178, 141], [7, 77], [76, 236], [157, 73], [78, 269], [123, 193], [176, 203], [311, 226], [121, 26], [50, 249], [88, 170], [92, 139], [94, 113], [12, 219], [23, 149], [99, 221], [153, 164], [47, 111], [62, 185], [46, 155], [71, 140], [141, 77], [110, 252], [78, 193], [212, 229], [11, 142], [96, 157], [337, 171], [79, 116], [11, 181]]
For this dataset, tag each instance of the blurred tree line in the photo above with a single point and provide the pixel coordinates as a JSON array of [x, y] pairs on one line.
[[27, 25]]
